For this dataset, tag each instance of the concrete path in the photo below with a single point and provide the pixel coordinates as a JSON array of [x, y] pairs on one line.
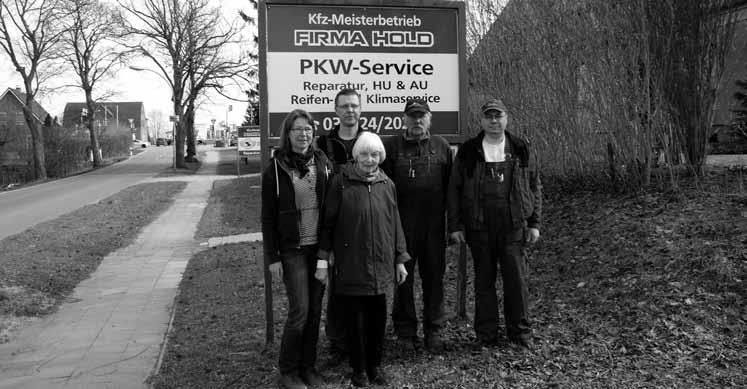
[[110, 332]]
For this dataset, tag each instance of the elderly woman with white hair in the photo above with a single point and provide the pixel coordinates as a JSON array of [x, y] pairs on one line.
[[361, 227]]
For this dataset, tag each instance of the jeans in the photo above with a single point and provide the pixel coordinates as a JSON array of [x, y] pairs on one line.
[[301, 331]]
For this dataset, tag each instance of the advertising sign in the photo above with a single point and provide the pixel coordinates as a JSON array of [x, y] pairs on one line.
[[389, 54], [248, 141]]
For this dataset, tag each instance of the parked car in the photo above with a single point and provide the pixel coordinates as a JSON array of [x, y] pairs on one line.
[[161, 142], [233, 142], [220, 143], [140, 143], [200, 141]]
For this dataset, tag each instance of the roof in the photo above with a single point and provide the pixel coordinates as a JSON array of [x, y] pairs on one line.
[[39, 112], [123, 109]]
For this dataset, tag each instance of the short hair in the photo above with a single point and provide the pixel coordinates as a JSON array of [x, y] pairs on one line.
[[368, 141], [347, 92], [285, 128]]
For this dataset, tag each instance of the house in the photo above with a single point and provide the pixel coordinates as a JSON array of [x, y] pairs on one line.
[[110, 116], [15, 136]]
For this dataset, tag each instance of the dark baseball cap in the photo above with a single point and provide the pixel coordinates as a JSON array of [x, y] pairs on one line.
[[493, 105], [416, 105]]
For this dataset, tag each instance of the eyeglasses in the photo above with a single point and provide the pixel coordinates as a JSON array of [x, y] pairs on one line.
[[493, 117], [304, 129]]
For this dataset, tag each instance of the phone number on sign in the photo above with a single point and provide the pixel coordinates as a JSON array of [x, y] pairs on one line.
[[371, 123]]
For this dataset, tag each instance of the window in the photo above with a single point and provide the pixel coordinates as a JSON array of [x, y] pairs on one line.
[[20, 120], [3, 118]]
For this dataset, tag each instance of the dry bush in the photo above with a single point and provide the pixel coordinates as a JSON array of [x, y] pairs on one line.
[[604, 90]]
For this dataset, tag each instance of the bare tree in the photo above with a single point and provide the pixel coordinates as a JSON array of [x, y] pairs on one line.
[[187, 41], [30, 32], [91, 50], [161, 28], [218, 62]]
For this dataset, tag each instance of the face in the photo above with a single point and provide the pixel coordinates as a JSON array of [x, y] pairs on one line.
[[301, 135], [418, 124], [348, 109], [494, 122], [368, 160]]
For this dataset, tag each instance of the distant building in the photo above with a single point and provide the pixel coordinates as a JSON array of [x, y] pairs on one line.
[[111, 116], [15, 137]]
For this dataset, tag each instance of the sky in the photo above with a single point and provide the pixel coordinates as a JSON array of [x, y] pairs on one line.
[[131, 85]]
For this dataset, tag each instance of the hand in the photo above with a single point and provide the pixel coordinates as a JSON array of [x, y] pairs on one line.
[[331, 259], [276, 269], [401, 273], [457, 237], [321, 275], [533, 235]]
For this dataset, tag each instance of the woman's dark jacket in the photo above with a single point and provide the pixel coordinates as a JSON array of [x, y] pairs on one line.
[[280, 219], [465, 208], [361, 226]]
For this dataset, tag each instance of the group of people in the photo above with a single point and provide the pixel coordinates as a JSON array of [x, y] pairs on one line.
[[352, 213]]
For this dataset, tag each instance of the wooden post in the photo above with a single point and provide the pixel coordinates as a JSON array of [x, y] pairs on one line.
[[462, 282], [269, 319]]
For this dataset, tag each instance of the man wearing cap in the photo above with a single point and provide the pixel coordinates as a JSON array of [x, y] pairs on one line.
[[419, 164], [495, 205], [338, 146]]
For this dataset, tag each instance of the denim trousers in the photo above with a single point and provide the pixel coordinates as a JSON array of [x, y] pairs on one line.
[[301, 331]]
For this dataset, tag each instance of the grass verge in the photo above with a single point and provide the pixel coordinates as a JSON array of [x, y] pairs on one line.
[[232, 208], [626, 291], [42, 265]]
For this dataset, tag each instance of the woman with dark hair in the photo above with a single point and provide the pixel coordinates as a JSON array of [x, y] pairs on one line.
[[362, 233], [293, 190]]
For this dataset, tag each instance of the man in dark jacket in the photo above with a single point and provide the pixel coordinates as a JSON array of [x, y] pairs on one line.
[[419, 164], [495, 204], [338, 146]]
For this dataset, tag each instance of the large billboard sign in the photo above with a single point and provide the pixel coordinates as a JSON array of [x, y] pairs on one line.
[[387, 50]]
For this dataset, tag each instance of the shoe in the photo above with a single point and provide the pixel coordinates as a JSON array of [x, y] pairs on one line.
[[524, 344], [434, 343], [291, 381], [376, 376], [312, 378], [336, 358], [408, 343], [359, 380]]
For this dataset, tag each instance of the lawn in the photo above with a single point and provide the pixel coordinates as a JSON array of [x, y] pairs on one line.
[[643, 290], [39, 267]]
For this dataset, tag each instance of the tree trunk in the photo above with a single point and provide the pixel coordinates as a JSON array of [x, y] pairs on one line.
[[37, 140], [91, 130], [189, 117], [179, 133]]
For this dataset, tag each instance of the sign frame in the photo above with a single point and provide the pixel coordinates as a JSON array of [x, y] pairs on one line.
[[268, 141]]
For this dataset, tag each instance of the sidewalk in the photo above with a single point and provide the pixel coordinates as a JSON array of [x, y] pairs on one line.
[[110, 331]]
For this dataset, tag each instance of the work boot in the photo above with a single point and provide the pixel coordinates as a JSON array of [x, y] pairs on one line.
[[434, 343], [377, 376], [523, 344], [312, 378], [358, 379], [408, 343], [291, 381]]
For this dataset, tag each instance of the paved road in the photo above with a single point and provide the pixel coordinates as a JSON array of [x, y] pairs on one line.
[[26, 207]]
